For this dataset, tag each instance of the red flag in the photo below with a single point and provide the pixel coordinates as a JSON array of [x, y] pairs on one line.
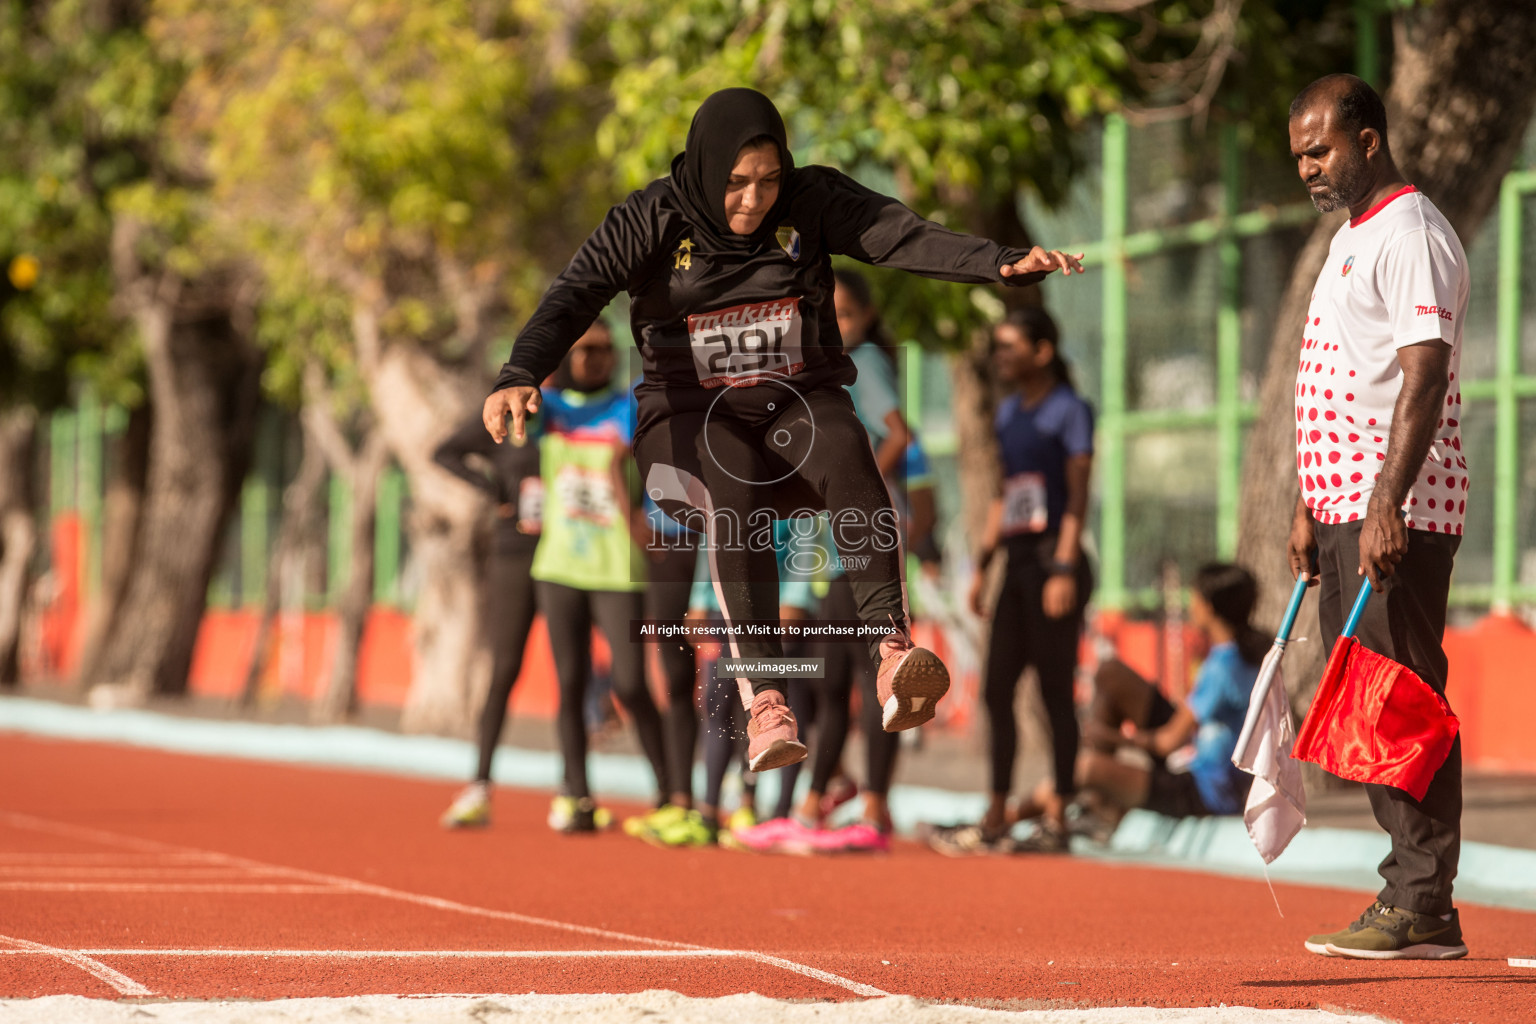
[[1374, 720]]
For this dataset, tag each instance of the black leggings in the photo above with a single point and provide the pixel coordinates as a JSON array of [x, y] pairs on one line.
[[569, 615], [845, 665], [510, 607], [725, 734], [727, 475], [666, 597], [1023, 635]]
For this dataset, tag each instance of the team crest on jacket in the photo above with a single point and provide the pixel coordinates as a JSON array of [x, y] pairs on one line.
[[1349, 265], [789, 241], [682, 259]]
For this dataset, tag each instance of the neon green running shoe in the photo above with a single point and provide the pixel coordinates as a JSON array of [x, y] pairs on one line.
[[637, 826], [568, 814], [689, 830], [470, 809]]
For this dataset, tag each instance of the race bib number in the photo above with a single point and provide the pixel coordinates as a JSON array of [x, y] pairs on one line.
[[586, 494], [1024, 508], [744, 345], [530, 505]]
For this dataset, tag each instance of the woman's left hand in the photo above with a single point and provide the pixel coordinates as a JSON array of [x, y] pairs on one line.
[[1060, 596], [1040, 260]]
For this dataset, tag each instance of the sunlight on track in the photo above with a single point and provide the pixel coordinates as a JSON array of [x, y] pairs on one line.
[[317, 883]]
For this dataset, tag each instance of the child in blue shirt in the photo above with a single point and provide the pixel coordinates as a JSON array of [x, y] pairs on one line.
[[1129, 711]]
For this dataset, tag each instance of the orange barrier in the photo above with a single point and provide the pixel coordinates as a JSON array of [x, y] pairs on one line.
[[1489, 689]]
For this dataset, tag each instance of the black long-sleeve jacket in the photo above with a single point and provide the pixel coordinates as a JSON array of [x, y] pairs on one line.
[[703, 319]]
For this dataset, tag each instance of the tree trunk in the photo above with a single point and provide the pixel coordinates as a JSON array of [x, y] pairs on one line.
[[18, 531], [1463, 93], [204, 379], [360, 470], [417, 400], [128, 468], [295, 538]]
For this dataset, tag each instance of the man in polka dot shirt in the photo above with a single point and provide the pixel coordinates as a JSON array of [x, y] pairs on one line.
[[1383, 480]]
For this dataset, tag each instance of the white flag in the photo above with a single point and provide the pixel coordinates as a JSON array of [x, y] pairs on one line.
[[1277, 803]]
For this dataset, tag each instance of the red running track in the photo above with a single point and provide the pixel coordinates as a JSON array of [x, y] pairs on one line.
[[127, 872]]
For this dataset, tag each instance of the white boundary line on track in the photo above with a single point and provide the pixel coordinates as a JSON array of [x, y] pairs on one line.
[[120, 982], [225, 888], [46, 826], [394, 954]]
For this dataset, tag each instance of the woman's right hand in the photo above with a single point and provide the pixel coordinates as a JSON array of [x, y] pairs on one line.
[[517, 402], [978, 592]]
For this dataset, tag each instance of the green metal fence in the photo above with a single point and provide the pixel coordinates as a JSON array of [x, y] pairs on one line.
[[1242, 256]]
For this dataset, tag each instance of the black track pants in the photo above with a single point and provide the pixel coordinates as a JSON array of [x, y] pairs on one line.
[[1407, 624], [728, 477], [1023, 635], [569, 615], [666, 597], [510, 608], [847, 666]]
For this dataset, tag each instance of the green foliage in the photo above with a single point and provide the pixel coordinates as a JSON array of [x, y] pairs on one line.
[[968, 100], [81, 97], [958, 108], [385, 151]]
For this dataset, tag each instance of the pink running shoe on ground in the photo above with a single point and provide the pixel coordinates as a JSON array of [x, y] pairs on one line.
[[862, 838], [910, 683], [773, 737], [804, 841], [765, 836]]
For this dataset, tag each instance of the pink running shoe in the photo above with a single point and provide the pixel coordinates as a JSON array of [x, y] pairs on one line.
[[803, 841], [773, 738], [764, 837], [910, 683], [862, 838]]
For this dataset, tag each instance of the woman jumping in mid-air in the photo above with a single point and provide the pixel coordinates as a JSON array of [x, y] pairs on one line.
[[743, 415]]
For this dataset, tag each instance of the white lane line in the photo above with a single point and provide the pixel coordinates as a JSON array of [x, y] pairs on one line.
[[47, 872], [123, 984], [474, 954], [400, 954], [27, 821], [107, 859], [229, 889]]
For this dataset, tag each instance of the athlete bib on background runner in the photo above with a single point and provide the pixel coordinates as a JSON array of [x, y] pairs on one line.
[[743, 345], [1024, 507], [530, 505], [586, 494]]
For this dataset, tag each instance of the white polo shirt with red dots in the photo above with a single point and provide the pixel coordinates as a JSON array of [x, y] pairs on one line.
[[1396, 276]]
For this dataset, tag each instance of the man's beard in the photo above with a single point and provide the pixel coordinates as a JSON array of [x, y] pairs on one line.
[[1340, 191]]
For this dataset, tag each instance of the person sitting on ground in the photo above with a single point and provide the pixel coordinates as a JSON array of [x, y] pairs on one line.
[[1129, 711]]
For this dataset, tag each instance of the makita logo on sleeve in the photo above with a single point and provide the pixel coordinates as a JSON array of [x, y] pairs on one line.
[[1440, 311]]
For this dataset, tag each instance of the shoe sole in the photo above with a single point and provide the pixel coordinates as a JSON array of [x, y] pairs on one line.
[[778, 754], [453, 823], [916, 689], [1320, 948], [1424, 951]]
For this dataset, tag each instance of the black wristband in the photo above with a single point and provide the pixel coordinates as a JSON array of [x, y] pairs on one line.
[[1060, 568]]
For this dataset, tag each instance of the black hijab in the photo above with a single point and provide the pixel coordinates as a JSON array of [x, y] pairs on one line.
[[725, 122]]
